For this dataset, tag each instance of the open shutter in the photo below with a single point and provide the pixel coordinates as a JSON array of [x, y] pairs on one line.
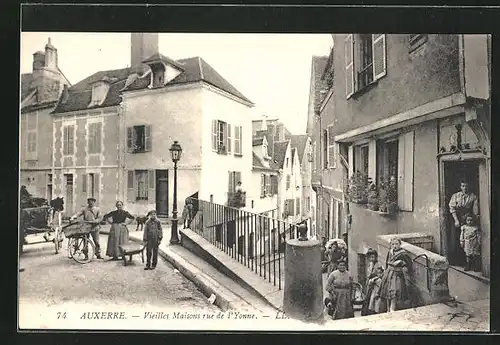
[[268, 185], [84, 183], [379, 56], [130, 139], [97, 188], [228, 145], [237, 177], [350, 157], [214, 135], [231, 182], [349, 65], [130, 186], [241, 140], [148, 142], [98, 137], [151, 187], [405, 171], [372, 160], [262, 185]]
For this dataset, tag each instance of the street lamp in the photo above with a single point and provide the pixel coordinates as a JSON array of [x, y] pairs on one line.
[[175, 151]]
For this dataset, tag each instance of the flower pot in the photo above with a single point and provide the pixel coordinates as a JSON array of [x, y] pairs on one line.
[[392, 208]]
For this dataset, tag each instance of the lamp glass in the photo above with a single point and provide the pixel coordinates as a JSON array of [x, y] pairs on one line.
[[176, 151]]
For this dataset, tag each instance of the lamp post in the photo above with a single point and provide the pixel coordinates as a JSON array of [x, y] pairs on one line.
[[175, 151]]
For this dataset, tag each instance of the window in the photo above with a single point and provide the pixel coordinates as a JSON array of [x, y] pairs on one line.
[[99, 91], [365, 60], [229, 143], [221, 137], [234, 178], [268, 185], [416, 41], [31, 142], [361, 159], [331, 148], [95, 135], [139, 139], [68, 140], [274, 185], [324, 144], [297, 206], [92, 185], [262, 185], [238, 139], [140, 185], [289, 207], [288, 182]]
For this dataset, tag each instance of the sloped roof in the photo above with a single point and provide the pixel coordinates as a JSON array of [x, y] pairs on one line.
[[26, 79], [256, 161], [278, 158], [195, 69], [161, 57], [319, 63], [299, 142]]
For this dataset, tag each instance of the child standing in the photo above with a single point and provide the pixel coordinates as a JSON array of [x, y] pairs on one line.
[[470, 241], [153, 235], [375, 305]]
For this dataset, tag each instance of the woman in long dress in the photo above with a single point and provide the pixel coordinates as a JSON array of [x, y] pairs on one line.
[[118, 234], [371, 272], [340, 288], [395, 285]]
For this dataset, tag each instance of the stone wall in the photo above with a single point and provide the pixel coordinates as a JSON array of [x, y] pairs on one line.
[[429, 282]]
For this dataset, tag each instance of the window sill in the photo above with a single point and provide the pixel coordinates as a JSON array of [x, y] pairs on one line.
[[358, 93], [238, 155]]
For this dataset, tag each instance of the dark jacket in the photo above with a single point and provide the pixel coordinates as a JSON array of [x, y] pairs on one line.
[[152, 231]]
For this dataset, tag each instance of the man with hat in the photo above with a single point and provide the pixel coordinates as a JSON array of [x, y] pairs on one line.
[[92, 215]]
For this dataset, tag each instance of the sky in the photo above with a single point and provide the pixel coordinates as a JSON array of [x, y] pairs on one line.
[[272, 70]]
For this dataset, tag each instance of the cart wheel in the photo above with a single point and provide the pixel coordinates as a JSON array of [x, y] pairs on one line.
[[78, 247]]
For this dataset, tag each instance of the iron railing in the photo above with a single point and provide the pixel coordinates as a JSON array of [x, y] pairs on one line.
[[254, 240]]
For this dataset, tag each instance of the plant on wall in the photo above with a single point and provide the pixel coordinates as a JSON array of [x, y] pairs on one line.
[[387, 196], [373, 203], [357, 190]]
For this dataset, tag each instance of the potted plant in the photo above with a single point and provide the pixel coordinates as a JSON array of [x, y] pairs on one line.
[[382, 196], [392, 196], [372, 196], [358, 188]]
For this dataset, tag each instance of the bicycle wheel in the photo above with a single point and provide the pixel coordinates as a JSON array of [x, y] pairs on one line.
[[78, 250]]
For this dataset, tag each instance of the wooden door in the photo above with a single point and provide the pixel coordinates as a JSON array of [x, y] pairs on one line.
[[162, 192]]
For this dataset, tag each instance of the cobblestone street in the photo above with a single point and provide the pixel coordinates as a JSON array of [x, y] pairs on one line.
[[56, 279]]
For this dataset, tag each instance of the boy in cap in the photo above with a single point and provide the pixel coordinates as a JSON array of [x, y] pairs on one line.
[[153, 234], [92, 215]]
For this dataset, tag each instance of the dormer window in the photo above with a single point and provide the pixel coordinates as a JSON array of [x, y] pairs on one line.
[[158, 74], [99, 93]]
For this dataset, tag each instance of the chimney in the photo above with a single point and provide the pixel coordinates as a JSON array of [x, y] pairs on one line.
[[142, 46], [38, 60], [50, 55]]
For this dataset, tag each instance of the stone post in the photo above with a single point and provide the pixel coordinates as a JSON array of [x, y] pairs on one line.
[[303, 293]]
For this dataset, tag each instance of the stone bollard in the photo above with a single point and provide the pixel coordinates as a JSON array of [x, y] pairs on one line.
[[303, 293]]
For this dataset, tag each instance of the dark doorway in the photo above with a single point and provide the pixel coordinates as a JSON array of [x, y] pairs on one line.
[[162, 192], [454, 171]]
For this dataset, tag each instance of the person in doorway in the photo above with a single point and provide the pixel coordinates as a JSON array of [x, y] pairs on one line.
[[470, 241], [340, 289], [395, 284], [371, 272], [238, 188], [375, 303], [334, 256], [91, 215], [461, 203], [118, 234], [153, 234]]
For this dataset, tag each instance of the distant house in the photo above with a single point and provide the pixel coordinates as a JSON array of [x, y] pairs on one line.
[[40, 91]]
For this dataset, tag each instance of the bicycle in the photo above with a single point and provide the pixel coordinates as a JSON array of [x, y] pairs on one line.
[[81, 247]]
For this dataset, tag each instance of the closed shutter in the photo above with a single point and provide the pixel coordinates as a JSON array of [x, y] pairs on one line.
[[130, 139], [350, 157], [379, 56], [84, 183], [268, 185], [349, 65], [331, 148], [131, 186], [97, 188], [98, 137], [241, 140], [291, 205], [228, 148], [372, 160], [297, 206], [148, 142], [231, 182], [237, 176], [214, 135], [237, 134], [151, 186], [405, 170], [262, 185]]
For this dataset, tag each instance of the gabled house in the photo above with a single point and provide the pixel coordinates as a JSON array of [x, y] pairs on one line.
[[40, 91], [188, 101], [410, 114]]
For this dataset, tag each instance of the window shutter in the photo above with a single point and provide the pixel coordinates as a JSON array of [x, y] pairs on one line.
[[372, 160], [148, 142], [241, 140], [130, 186], [71, 139], [214, 135], [268, 185], [349, 65], [405, 171], [84, 183], [151, 186], [231, 182], [292, 207], [336, 154], [130, 139], [97, 188], [297, 206], [228, 145], [98, 137], [331, 148], [350, 157], [237, 177], [262, 185], [379, 56]]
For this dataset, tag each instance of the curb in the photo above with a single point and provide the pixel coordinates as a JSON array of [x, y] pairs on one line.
[[225, 299]]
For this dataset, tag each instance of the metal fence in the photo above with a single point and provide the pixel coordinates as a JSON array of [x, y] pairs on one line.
[[254, 240]]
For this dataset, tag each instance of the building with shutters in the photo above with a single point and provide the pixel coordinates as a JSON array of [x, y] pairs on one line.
[[414, 110], [40, 91]]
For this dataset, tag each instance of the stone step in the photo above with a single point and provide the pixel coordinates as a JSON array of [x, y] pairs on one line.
[[467, 286]]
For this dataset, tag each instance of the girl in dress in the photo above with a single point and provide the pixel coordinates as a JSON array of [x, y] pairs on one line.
[[470, 241], [118, 234], [371, 272], [375, 305], [340, 288], [395, 285]]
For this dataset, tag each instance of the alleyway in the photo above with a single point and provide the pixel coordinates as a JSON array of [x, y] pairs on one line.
[[51, 280]]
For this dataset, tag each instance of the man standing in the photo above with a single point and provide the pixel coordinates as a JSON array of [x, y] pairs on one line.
[[461, 203], [92, 215]]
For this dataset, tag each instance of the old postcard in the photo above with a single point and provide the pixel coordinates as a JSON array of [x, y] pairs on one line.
[[181, 181]]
